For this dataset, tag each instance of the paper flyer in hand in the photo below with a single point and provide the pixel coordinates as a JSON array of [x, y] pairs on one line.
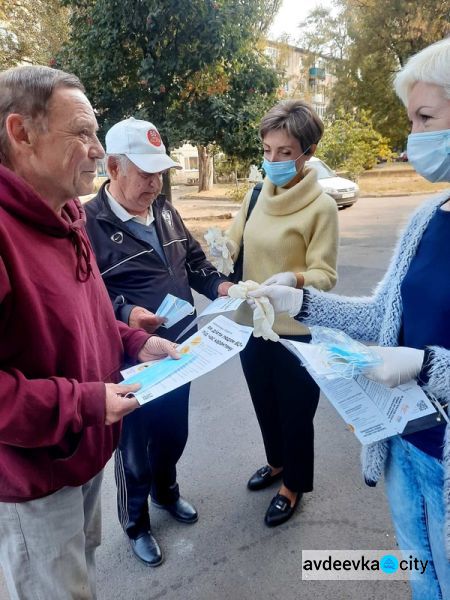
[[207, 349], [221, 305], [371, 410]]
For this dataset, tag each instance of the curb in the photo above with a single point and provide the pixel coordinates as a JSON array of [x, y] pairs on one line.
[[397, 194], [224, 216]]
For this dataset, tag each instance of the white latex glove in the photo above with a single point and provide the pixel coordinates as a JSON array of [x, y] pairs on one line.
[[281, 297], [399, 365], [287, 278], [156, 347], [263, 313]]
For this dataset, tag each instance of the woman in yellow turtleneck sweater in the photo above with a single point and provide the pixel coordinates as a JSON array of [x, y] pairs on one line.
[[293, 229]]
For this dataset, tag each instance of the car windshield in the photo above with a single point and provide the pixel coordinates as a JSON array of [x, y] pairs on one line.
[[322, 170]]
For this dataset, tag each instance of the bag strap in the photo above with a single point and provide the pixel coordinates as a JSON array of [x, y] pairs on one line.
[[251, 205]]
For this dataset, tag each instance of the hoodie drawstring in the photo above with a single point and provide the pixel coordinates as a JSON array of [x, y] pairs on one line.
[[84, 268]]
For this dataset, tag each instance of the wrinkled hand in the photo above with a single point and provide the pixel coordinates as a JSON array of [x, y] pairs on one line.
[[399, 365], [116, 405], [156, 348], [223, 288], [287, 278], [142, 318], [281, 297]]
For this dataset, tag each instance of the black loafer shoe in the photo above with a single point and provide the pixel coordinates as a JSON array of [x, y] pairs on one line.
[[263, 478], [280, 510], [147, 549], [181, 510]]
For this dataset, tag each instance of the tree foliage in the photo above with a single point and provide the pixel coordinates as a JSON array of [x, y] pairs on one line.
[[350, 143], [31, 31], [374, 39], [189, 67]]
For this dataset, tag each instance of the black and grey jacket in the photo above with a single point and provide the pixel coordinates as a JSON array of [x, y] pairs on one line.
[[134, 273]]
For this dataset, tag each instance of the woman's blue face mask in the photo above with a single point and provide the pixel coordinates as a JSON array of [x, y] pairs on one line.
[[281, 172], [429, 154]]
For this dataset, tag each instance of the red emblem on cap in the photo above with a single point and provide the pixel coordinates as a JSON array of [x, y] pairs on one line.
[[153, 137]]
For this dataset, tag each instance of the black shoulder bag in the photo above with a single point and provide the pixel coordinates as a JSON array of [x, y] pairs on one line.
[[237, 273]]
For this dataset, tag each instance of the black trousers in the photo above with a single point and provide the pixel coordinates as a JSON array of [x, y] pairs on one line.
[[152, 441], [285, 398]]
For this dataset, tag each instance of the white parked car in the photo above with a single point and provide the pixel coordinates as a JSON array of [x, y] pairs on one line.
[[344, 191]]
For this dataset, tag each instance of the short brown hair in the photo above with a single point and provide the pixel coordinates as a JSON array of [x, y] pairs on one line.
[[298, 118], [27, 91]]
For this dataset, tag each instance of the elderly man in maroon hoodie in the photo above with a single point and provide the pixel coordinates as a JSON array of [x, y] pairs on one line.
[[61, 347]]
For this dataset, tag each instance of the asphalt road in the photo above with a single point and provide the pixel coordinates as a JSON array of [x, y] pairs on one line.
[[230, 554]]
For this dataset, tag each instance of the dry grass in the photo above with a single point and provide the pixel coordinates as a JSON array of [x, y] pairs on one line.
[[397, 183], [386, 179]]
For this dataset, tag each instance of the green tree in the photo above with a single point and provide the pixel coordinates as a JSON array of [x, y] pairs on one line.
[[157, 60], [31, 31], [375, 39], [350, 143], [229, 116]]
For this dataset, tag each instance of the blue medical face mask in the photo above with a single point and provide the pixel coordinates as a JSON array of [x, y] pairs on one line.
[[429, 154], [281, 172]]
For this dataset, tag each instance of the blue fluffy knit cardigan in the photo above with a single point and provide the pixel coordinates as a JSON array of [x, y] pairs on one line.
[[377, 318]]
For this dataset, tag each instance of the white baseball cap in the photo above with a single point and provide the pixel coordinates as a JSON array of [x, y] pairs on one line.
[[141, 143]]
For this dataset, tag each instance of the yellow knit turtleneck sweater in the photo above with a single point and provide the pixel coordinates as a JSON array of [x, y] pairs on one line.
[[292, 229]]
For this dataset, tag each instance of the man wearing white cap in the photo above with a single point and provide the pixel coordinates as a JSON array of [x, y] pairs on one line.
[[145, 252]]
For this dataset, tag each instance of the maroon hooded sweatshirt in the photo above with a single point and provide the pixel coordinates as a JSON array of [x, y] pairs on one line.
[[59, 340]]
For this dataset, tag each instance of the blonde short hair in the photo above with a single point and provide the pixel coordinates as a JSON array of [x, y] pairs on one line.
[[430, 65]]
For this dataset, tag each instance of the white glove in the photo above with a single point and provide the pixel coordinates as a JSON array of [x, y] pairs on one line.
[[287, 278], [399, 365], [156, 347], [281, 297]]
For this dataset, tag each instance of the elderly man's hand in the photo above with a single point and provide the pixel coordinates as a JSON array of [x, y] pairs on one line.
[[223, 288], [141, 318], [156, 348], [116, 404]]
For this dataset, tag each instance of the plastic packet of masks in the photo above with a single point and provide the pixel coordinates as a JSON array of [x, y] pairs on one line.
[[218, 250], [174, 309], [344, 356]]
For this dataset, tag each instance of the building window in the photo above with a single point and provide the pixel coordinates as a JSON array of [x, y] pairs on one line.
[[191, 163]]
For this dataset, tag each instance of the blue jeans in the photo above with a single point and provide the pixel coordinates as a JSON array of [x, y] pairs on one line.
[[414, 484]]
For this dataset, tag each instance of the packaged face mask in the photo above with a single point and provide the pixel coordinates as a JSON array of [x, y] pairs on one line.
[[345, 357], [174, 309]]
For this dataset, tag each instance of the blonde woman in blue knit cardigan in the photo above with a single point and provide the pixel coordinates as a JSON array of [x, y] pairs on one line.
[[409, 316], [293, 227]]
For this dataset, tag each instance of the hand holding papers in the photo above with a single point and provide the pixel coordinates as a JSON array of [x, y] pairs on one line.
[[220, 305], [371, 410], [207, 349]]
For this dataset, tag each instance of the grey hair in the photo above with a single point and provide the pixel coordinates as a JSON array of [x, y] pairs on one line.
[[430, 65], [27, 91], [298, 119], [120, 159]]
